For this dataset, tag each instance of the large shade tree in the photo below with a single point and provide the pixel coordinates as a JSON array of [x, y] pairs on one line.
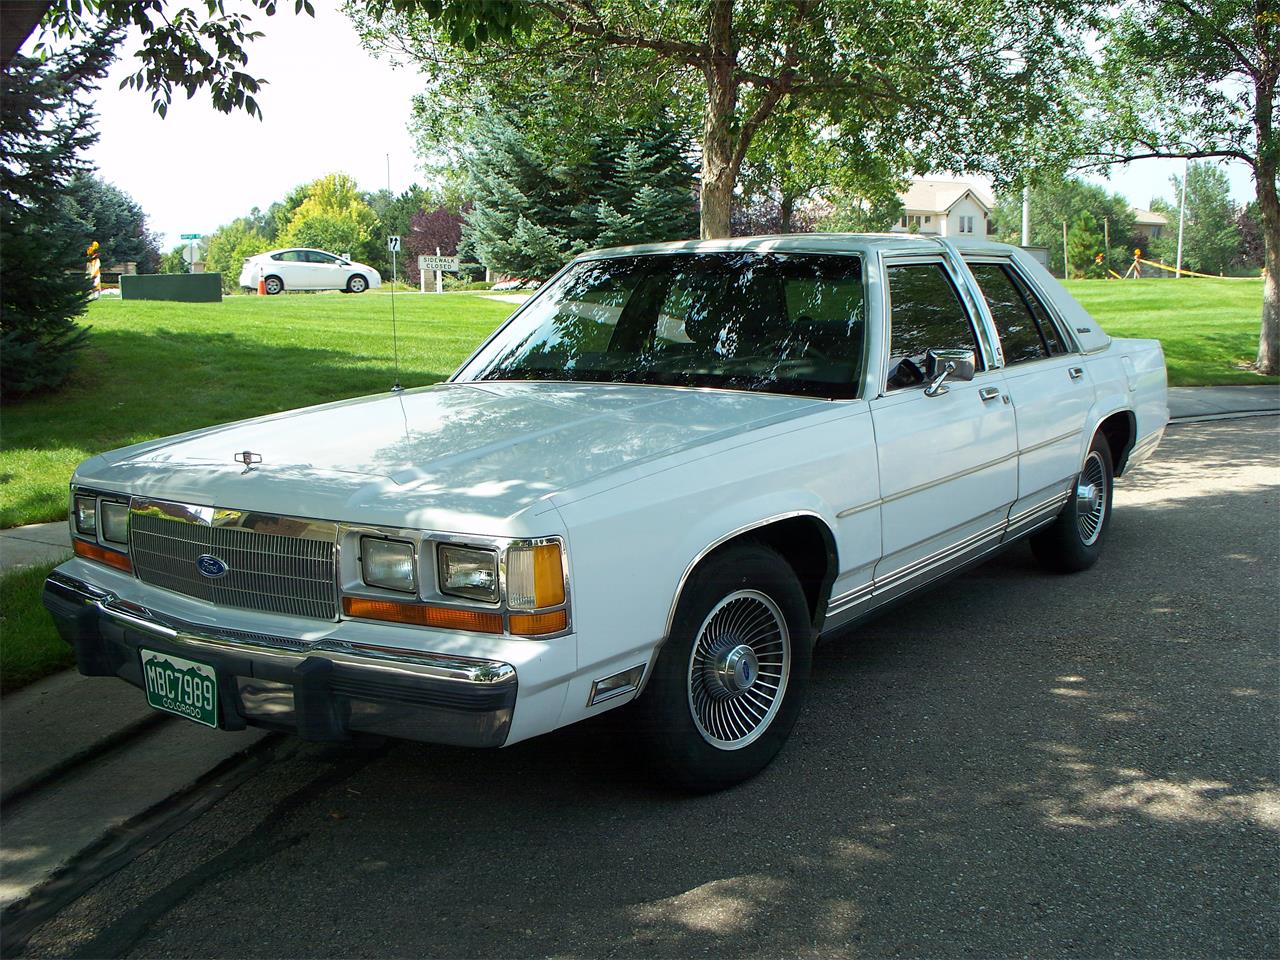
[[1198, 79], [950, 82]]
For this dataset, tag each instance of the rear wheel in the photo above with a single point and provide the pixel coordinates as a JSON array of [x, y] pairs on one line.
[[728, 685], [357, 284], [1074, 541], [274, 285]]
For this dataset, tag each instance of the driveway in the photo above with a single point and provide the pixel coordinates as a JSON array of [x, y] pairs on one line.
[[1013, 764]]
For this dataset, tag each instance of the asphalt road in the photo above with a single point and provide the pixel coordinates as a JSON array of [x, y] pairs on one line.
[[1014, 764]]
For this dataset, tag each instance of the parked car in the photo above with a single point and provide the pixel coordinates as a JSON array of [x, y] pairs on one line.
[[301, 268], [662, 480]]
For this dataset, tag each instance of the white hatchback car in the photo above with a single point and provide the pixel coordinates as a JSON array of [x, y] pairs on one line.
[[305, 269]]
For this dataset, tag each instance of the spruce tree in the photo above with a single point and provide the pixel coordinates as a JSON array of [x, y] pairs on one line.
[[537, 205], [43, 288]]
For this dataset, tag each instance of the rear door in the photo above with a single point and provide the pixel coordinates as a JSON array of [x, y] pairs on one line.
[[1048, 384], [948, 463]]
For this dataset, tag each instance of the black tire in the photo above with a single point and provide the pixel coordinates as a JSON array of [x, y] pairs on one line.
[[357, 284], [1074, 540], [742, 597], [274, 285]]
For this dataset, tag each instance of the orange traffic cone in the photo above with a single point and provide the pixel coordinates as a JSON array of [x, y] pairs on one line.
[[262, 284]]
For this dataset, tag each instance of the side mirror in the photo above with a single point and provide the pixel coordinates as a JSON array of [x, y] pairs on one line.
[[956, 364]]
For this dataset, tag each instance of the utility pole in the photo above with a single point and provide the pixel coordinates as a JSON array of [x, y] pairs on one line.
[[1182, 216], [1026, 216], [1066, 269]]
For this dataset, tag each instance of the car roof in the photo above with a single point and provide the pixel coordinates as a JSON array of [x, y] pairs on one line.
[[836, 243]]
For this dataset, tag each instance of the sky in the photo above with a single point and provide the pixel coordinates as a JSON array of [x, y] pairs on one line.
[[329, 106]]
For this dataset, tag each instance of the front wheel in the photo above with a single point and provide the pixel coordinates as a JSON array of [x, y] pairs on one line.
[[357, 284], [728, 685], [1073, 542]]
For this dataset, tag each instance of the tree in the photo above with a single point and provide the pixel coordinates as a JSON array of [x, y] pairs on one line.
[[333, 216], [1210, 238], [956, 82], [1249, 223], [436, 232], [116, 221], [229, 246], [1198, 79], [395, 214], [181, 46], [534, 208], [47, 124], [1090, 212]]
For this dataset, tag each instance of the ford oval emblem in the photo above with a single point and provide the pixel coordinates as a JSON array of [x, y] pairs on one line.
[[211, 566]]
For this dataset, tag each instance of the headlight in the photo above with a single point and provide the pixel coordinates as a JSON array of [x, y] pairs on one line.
[[87, 516], [115, 521], [468, 572], [388, 564], [535, 576]]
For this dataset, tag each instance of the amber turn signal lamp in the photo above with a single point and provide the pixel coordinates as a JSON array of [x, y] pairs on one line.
[[548, 577], [538, 624], [422, 615], [112, 558]]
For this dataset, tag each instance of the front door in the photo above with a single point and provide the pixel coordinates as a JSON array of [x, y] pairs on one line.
[[948, 463]]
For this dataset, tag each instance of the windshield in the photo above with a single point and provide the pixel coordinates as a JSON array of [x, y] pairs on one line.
[[769, 322]]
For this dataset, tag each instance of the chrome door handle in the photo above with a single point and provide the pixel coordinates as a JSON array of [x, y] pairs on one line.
[[989, 393], [1075, 373]]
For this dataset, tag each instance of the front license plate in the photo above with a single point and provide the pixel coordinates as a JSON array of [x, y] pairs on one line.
[[180, 686]]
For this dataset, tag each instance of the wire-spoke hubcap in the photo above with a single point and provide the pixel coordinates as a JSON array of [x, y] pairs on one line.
[[1091, 498], [738, 669]]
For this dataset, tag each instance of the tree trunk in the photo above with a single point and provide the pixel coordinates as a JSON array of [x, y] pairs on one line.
[[1269, 337], [788, 211], [719, 168]]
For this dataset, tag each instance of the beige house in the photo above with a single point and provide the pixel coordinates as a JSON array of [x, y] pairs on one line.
[[1149, 224], [944, 208]]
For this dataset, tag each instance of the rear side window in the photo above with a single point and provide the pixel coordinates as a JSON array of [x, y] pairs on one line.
[[926, 314], [1020, 335], [1027, 332]]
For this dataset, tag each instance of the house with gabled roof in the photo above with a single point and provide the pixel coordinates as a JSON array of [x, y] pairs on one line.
[[944, 208]]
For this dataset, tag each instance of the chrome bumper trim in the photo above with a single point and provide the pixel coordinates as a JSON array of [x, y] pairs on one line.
[[126, 613]]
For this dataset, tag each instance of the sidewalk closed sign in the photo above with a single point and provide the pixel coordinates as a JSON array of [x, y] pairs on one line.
[[443, 264]]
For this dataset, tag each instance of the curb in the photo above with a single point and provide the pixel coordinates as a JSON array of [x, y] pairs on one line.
[[1233, 415]]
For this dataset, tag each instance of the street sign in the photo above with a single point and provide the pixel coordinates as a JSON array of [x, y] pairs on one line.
[[393, 244], [443, 264], [192, 236]]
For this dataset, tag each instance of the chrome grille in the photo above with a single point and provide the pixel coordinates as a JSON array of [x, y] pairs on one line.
[[273, 572]]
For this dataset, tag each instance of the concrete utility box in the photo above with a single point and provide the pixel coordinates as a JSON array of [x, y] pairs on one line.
[[184, 287]]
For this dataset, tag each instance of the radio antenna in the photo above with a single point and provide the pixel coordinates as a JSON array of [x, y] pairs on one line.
[[393, 245]]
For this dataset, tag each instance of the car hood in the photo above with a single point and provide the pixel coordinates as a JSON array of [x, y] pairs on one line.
[[454, 456]]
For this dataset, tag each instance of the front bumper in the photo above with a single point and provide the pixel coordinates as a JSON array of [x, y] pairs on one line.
[[322, 691]]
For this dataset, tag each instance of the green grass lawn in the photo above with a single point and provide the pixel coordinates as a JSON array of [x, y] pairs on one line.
[[1209, 328], [30, 647], [155, 368]]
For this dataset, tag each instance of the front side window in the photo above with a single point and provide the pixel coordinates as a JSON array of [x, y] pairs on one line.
[[768, 322], [926, 313], [315, 256]]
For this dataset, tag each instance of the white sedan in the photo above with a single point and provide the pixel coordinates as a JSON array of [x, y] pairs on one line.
[[305, 269]]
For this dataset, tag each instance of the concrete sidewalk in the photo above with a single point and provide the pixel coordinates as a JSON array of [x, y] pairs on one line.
[[1188, 402], [34, 544]]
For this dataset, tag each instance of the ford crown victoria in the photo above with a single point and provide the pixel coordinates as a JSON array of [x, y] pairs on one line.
[[658, 483]]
